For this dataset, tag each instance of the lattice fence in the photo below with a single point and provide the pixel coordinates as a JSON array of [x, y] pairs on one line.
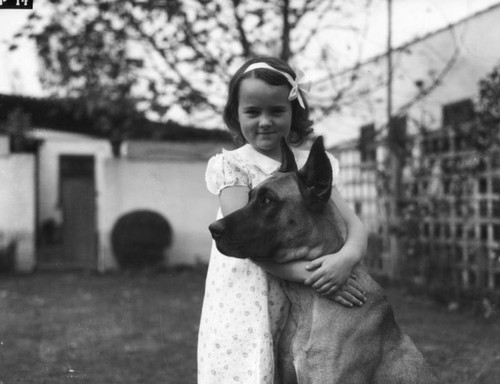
[[452, 220]]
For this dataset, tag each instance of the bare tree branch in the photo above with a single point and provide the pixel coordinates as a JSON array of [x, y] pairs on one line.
[[245, 45]]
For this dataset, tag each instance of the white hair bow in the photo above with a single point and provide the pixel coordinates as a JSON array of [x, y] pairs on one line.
[[299, 84]]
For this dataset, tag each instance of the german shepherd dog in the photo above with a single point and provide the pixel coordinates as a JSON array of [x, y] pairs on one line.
[[322, 341]]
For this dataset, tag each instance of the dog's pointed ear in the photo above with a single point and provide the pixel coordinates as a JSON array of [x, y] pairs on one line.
[[288, 163], [316, 175]]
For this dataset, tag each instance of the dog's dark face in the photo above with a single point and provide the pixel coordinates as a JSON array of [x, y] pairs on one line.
[[286, 211]]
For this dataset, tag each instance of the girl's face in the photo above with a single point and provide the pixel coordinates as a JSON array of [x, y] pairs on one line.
[[265, 115]]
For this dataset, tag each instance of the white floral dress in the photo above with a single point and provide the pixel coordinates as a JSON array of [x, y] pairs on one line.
[[244, 307]]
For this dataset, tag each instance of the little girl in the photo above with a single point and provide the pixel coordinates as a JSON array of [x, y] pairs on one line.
[[244, 306]]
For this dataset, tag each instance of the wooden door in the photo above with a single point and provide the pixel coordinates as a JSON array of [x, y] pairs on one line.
[[79, 212]]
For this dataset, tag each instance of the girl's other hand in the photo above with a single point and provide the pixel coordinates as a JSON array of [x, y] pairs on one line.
[[330, 274]]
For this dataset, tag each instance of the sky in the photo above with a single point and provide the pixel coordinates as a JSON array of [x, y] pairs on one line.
[[411, 18]]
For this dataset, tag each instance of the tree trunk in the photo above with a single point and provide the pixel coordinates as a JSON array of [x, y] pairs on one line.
[[285, 37]]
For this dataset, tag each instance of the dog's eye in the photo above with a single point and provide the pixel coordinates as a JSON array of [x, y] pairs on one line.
[[266, 200]]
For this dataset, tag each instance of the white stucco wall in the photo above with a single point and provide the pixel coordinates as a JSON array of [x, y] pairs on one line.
[[174, 189], [17, 207], [4, 145]]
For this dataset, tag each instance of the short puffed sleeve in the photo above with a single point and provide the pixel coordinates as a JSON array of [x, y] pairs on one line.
[[335, 169], [224, 170]]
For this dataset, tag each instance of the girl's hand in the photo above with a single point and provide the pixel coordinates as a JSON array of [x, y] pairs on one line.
[[330, 274], [350, 294]]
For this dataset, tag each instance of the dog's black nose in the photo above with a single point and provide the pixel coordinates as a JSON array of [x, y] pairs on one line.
[[216, 229]]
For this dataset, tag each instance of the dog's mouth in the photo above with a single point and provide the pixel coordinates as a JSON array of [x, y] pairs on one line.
[[239, 249], [227, 246], [231, 249]]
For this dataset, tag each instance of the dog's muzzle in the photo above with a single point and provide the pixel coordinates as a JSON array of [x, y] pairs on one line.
[[216, 229]]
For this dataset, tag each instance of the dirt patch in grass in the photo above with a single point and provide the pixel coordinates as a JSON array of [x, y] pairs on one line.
[[142, 328]]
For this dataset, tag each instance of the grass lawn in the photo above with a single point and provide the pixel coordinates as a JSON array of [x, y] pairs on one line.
[[142, 328]]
